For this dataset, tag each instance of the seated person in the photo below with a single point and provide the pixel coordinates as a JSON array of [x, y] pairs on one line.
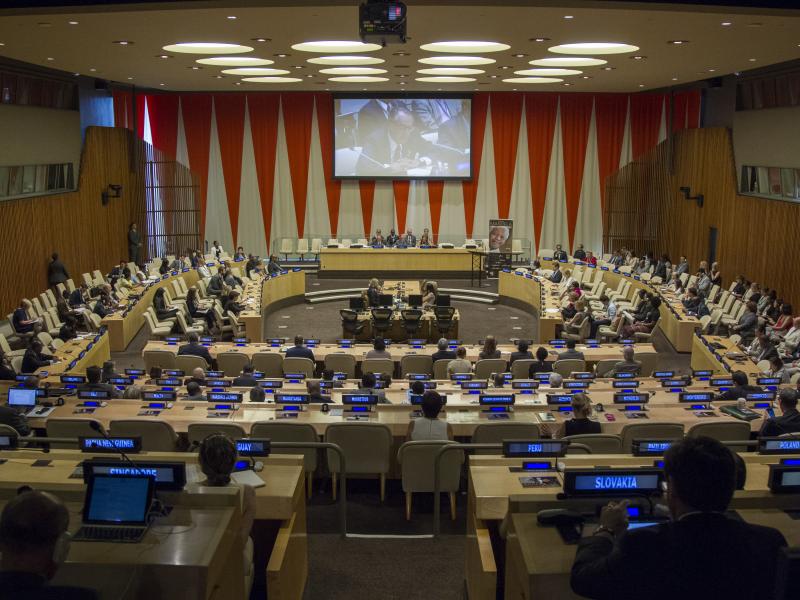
[[555, 380], [460, 364], [13, 418], [700, 542], [69, 329], [35, 357], [570, 353], [257, 394], [377, 239], [628, 364], [163, 311], [299, 350], [392, 238], [692, 301], [443, 351], [198, 376], [429, 294], [315, 395], [425, 238], [273, 267], [580, 423], [7, 372], [429, 426], [132, 392], [788, 422], [417, 388], [154, 375], [239, 255], [193, 347], [740, 388], [746, 326], [94, 383], [499, 380], [573, 326], [489, 348], [232, 280], [22, 319], [761, 347], [368, 383], [580, 253], [246, 378], [231, 303], [108, 371], [540, 364], [778, 369], [646, 323], [378, 350], [522, 353], [374, 292], [216, 283], [33, 543], [559, 254], [556, 276], [196, 311], [328, 374], [194, 392]]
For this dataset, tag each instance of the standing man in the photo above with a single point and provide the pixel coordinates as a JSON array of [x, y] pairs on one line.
[[56, 271], [134, 244]]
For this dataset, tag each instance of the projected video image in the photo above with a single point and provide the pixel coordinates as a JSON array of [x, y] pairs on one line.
[[415, 138]]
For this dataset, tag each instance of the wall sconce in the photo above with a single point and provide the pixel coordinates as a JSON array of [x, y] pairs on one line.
[[687, 191], [114, 190]]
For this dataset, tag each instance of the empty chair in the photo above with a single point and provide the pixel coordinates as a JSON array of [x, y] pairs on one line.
[[485, 367], [159, 358], [351, 325], [71, 428], [291, 432], [268, 363], [197, 432], [295, 364], [521, 367], [495, 433], [188, 362], [581, 334], [416, 363], [604, 367], [546, 253], [156, 330], [6, 348], [648, 360], [341, 362], [732, 431], [384, 366], [232, 363], [440, 368], [568, 366], [381, 321], [286, 248], [157, 436], [185, 328], [302, 248], [412, 321], [362, 242], [599, 443], [416, 461], [316, 244], [649, 431], [444, 319], [641, 336], [367, 450], [346, 243]]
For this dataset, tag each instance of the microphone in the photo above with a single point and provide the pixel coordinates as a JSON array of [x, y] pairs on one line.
[[99, 429]]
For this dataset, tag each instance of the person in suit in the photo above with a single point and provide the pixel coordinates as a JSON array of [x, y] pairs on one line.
[[556, 276], [394, 149], [580, 253], [273, 266], [14, 419], [746, 326], [77, 298], [409, 239], [231, 303], [35, 358], [522, 353], [373, 119], [442, 351], [216, 283], [489, 348], [455, 132], [377, 239], [108, 371], [540, 364], [163, 310], [392, 239], [628, 364], [7, 372], [94, 376], [700, 553], [762, 347], [246, 378], [194, 348], [299, 350], [791, 341], [692, 300], [682, 266], [315, 395], [741, 387], [134, 244], [194, 392], [570, 353], [788, 422], [198, 377], [580, 423], [56, 271], [374, 292], [559, 254], [33, 525], [368, 383]]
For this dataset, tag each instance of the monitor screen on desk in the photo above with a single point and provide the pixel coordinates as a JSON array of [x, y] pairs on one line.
[[443, 300], [385, 299], [118, 500], [357, 303], [22, 397], [415, 300]]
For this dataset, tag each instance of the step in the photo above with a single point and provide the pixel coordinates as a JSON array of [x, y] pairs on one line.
[[451, 291]]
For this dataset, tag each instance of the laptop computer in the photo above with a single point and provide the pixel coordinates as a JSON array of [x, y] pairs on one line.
[[116, 508], [23, 400]]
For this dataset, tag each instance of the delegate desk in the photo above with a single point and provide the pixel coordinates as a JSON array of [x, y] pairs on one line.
[[495, 492], [722, 355], [397, 332], [262, 296], [372, 261], [76, 355], [536, 294], [194, 562]]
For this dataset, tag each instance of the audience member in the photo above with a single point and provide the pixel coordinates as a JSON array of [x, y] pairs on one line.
[[580, 423], [132, 392], [378, 349], [257, 394], [607, 317], [299, 350], [571, 353], [540, 364], [741, 387], [94, 383], [315, 394], [7, 372], [555, 380], [460, 364], [788, 422], [429, 426], [193, 347], [442, 351], [198, 376], [368, 383], [35, 357], [647, 323], [628, 364], [489, 348], [194, 392], [22, 320], [163, 311], [522, 353], [13, 418], [246, 378]]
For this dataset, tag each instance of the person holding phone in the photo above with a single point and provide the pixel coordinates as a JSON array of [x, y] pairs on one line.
[[788, 422]]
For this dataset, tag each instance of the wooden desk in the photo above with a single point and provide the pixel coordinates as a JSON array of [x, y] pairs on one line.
[[404, 287], [536, 294], [726, 359], [397, 333], [394, 260], [95, 353], [263, 296]]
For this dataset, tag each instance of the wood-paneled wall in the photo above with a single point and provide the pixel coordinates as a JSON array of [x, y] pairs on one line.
[[86, 234], [757, 237]]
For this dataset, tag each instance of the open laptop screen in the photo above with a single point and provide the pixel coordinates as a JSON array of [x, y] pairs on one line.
[[115, 500], [22, 397]]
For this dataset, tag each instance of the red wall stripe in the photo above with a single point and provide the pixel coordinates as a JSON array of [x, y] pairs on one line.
[[297, 114], [163, 111], [196, 110], [645, 122], [480, 103], [610, 113], [123, 112], [576, 115], [506, 116], [400, 189], [366, 190], [540, 121], [333, 188], [435, 194], [229, 109], [263, 109], [695, 101]]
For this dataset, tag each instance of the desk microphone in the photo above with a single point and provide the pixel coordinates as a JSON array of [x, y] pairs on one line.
[[99, 429]]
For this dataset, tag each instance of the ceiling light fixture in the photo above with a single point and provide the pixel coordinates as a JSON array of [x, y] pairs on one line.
[[281, 55], [255, 71], [450, 71], [352, 71], [571, 61], [547, 72], [594, 48], [751, 59], [445, 79], [164, 56], [207, 48], [50, 58], [400, 53], [609, 68], [539, 39], [566, 84], [726, 23], [346, 60], [641, 85], [465, 46], [358, 79], [260, 40], [334, 46], [72, 22], [272, 79], [569, 17], [123, 43], [637, 57], [92, 70], [231, 17], [519, 55], [677, 42], [537, 80], [235, 61], [457, 61], [160, 84], [194, 68]]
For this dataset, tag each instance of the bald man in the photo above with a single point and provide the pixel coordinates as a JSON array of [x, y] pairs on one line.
[[628, 364]]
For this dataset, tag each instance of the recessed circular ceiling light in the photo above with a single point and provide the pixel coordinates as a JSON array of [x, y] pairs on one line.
[[194, 68], [569, 16], [445, 79], [751, 59], [571, 61], [160, 84], [335, 46], [50, 58], [547, 72], [255, 71], [358, 79], [232, 17], [674, 79], [566, 84], [465, 46], [272, 79], [207, 48], [539, 39], [344, 59], [593, 48], [641, 85], [93, 70], [637, 57], [237, 83], [608, 68], [352, 71], [281, 55], [164, 56], [457, 61], [122, 42], [130, 77], [235, 61], [677, 42], [261, 39], [519, 55], [726, 23], [400, 53], [72, 22], [585, 77], [533, 80], [450, 71], [219, 76]]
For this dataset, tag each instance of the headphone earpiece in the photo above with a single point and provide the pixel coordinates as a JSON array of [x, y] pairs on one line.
[[61, 548]]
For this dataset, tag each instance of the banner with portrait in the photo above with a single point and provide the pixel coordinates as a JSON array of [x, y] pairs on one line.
[[500, 235]]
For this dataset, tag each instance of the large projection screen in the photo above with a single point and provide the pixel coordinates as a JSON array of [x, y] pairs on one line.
[[408, 137]]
